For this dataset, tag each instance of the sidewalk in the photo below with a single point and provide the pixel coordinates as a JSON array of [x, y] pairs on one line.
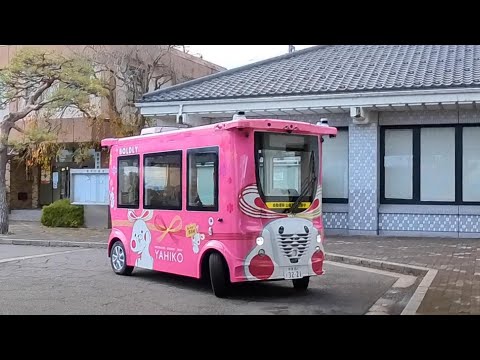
[[455, 289], [35, 231]]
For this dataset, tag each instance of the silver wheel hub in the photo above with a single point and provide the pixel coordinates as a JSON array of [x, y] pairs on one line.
[[118, 258]]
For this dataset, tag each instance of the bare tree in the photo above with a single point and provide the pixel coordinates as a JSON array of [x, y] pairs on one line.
[[128, 72]]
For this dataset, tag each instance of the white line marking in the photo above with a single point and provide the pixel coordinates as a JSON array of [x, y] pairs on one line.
[[419, 294], [39, 255]]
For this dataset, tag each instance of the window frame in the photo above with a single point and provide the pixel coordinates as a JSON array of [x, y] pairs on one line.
[[204, 150], [317, 163], [127, 157], [338, 200], [416, 164], [174, 152]]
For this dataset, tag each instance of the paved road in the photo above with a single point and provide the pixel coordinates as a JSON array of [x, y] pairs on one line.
[[80, 281]]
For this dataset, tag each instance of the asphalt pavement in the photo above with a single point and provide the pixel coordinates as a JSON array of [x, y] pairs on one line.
[[55, 280]]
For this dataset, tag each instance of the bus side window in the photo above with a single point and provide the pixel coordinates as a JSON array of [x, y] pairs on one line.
[[128, 182], [202, 194], [163, 181]]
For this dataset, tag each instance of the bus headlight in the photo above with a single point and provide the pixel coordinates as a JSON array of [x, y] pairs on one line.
[[260, 241], [319, 238]]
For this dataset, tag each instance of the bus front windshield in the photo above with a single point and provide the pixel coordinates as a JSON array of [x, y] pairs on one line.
[[287, 170]]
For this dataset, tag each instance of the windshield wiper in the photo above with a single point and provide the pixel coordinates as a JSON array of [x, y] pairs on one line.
[[305, 191], [308, 187]]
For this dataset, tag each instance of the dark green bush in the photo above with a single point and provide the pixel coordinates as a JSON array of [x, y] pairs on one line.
[[62, 214]]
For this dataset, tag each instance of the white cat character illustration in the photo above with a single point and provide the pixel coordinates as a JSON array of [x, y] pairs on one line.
[[141, 238], [196, 239]]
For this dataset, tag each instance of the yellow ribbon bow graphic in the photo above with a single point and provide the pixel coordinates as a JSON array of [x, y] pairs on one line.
[[174, 227]]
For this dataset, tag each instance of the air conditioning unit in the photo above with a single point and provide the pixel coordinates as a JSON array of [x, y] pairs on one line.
[[359, 115], [239, 116]]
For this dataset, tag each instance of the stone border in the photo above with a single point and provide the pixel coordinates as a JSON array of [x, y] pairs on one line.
[[417, 297], [56, 243]]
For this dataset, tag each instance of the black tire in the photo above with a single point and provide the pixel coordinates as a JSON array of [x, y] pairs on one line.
[[301, 284], [120, 267], [219, 276]]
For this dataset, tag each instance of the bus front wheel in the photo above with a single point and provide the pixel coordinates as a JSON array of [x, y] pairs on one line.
[[118, 259], [219, 276], [301, 284]]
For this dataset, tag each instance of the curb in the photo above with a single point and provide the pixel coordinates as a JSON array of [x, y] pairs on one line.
[[415, 301], [54, 243], [378, 264]]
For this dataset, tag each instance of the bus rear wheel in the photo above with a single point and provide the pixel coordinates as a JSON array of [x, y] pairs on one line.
[[219, 276], [301, 284], [118, 259]]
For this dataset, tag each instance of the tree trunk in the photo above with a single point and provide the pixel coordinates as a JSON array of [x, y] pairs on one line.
[[4, 206], [3, 191]]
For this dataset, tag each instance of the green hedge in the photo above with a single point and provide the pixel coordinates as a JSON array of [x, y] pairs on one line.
[[62, 214]]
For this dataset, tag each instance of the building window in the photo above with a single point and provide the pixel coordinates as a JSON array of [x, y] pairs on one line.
[[398, 162], [335, 167], [128, 181], [202, 177], [471, 164], [437, 164], [163, 181], [430, 164]]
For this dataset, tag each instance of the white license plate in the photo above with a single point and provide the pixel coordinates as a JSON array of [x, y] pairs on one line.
[[292, 272]]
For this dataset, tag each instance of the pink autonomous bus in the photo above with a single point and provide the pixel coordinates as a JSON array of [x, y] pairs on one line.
[[234, 201]]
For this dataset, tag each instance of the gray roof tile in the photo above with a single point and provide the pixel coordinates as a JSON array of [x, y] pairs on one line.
[[337, 68]]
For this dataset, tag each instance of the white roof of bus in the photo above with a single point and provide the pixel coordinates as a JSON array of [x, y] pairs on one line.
[[222, 125]]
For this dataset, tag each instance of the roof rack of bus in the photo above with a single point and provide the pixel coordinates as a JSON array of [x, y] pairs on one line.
[[240, 121], [158, 130]]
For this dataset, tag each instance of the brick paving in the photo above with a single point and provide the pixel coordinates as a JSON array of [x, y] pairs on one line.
[[455, 289]]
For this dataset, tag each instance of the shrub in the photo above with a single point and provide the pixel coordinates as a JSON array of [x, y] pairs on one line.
[[62, 214]]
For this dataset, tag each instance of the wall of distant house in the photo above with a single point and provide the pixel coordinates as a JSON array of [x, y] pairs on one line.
[[185, 67], [72, 128], [20, 182]]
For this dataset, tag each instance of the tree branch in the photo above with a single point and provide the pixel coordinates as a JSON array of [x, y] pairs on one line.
[[20, 130], [34, 97], [15, 116]]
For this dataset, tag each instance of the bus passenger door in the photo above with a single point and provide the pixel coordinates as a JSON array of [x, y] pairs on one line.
[[202, 193]]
